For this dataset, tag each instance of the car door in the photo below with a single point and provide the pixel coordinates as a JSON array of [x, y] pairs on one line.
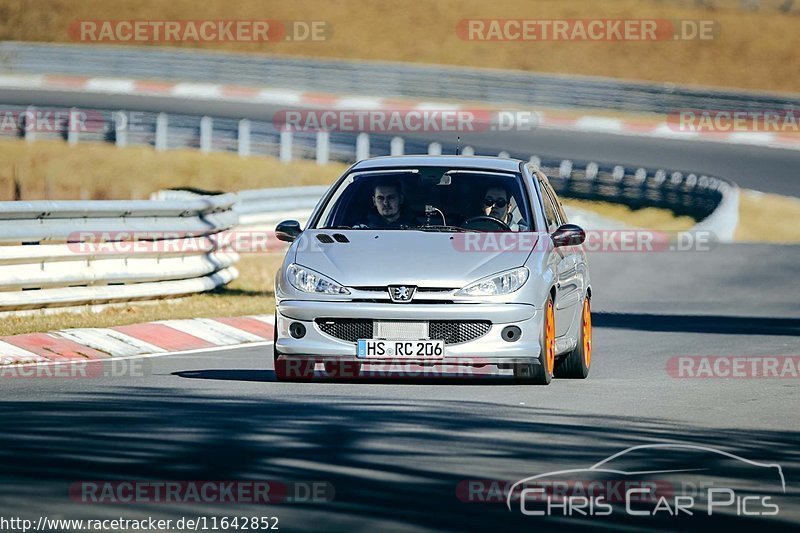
[[568, 287]]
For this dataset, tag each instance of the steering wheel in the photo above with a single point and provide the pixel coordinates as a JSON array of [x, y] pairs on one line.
[[485, 223]]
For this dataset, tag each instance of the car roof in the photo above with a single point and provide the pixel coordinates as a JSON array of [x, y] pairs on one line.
[[459, 161]]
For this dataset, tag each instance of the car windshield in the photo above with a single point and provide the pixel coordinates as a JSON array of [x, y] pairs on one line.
[[429, 199]]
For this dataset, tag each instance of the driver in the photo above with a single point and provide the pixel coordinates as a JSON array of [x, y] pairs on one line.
[[388, 199], [495, 203]]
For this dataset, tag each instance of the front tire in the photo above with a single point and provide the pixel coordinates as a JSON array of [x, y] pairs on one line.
[[541, 374], [577, 363], [343, 369], [294, 370]]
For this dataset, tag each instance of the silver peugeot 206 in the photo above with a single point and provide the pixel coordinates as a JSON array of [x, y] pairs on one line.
[[432, 260]]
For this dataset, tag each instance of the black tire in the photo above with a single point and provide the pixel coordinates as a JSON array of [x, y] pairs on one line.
[[533, 374], [294, 370], [343, 369], [576, 364]]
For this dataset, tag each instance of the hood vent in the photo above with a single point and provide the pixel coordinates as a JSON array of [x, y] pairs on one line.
[[324, 237], [340, 238]]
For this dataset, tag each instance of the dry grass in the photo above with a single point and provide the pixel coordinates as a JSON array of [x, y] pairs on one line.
[[54, 170], [649, 217], [250, 294], [768, 218], [755, 50]]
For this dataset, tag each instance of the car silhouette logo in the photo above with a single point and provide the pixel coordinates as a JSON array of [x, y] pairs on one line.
[[401, 293], [605, 466]]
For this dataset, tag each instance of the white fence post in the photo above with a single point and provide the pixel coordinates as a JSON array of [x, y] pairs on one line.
[[362, 146], [72, 127], [468, 150], [504, 154], [398, 146], [323, 147], [286, 146], [30, 124], [161, 132], [206, 134], [434, 149], [120, 129], [244, 138]]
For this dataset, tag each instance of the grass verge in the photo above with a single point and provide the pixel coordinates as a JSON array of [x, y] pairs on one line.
[[54, 170], [747, 49], [648, 217], [768, 218]]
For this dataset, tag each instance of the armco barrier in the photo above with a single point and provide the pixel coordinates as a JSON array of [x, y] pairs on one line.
[[714, 202], [684, 193], [75, 253]]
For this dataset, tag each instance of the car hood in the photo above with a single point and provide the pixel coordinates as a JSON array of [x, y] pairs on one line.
[[407, 257]]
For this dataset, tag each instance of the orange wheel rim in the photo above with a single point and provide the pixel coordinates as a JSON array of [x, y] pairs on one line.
[[550, 339], [587, 333]]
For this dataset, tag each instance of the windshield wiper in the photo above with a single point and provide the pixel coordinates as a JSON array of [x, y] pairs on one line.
[[357, 226], [442, 229]]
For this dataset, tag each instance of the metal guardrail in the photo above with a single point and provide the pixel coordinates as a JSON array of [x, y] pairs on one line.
[[684, 193], [262, 207], [382, 79], [712, 201], [74, 253]]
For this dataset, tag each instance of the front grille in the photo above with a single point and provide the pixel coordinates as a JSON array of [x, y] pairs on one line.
[[347, 329], [450, 331], [457, 331]]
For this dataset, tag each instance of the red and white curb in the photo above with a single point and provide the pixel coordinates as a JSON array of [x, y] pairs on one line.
[[38, 352], [656, 127], [152, 338]]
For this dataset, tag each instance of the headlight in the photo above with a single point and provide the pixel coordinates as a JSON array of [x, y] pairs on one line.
[[497, 284], [306, 280]]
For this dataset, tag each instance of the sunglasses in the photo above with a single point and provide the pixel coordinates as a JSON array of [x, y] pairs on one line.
[[500, 202]]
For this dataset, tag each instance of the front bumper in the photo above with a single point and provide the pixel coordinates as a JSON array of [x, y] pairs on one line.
[[488, 349]]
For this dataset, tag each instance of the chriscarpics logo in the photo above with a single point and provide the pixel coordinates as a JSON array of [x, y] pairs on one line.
[[672, 480]]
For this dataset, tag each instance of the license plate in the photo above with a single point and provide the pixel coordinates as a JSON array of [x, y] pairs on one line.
[[399, 349]]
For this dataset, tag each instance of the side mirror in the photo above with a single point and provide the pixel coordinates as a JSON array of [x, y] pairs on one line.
[[288, 230], [568, 235]]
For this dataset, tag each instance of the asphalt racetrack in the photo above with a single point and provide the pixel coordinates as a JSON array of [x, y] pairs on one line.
[[397, 452]]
